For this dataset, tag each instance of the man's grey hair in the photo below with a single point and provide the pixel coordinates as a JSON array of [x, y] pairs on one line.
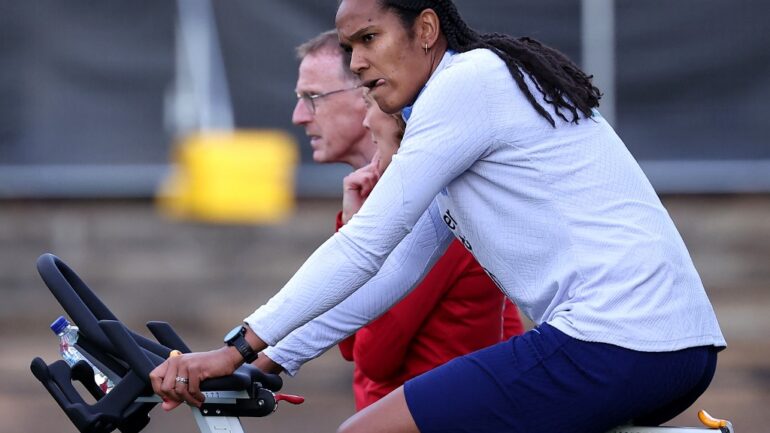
[[327, 42]]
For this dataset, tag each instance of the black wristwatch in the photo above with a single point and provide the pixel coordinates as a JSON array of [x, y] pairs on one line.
[[237, 339]]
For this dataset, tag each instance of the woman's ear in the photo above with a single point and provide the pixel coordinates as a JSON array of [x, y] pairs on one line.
[[428, 28]]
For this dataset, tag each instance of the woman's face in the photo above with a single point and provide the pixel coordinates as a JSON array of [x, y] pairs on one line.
[[390, 63], [386, 133]]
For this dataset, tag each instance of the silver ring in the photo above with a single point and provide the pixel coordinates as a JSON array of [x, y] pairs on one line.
[[182, 379]]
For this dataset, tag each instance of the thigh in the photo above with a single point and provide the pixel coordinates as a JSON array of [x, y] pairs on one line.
[[697, 359], [388, 415], [545, 381]]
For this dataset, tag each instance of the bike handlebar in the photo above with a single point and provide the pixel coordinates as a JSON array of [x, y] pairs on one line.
[[129, 356]]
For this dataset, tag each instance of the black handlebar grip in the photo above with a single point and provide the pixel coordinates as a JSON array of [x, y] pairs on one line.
[[77, 299], [273, 382], [166, 335], [84, 373], [127, 348]]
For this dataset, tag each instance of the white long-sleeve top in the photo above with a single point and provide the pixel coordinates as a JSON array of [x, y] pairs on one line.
[[404, 269], [562, 219]]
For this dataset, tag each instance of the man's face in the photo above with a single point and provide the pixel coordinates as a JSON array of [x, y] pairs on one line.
[[336, 127]]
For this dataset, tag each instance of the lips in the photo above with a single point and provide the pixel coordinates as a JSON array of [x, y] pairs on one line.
[[371, 84]]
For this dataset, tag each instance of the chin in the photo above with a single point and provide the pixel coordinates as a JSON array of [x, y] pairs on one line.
[[389, 108], [385, 104], [319, 157]]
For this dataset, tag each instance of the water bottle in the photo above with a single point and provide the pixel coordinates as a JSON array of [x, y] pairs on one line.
[[68, 336]]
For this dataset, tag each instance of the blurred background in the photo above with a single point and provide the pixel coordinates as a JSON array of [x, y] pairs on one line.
[[103, 105]]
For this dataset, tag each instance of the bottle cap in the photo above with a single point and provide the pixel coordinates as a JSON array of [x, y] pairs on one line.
[[59, 324]]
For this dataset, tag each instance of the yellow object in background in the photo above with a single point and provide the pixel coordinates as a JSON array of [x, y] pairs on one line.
[[244, 176]]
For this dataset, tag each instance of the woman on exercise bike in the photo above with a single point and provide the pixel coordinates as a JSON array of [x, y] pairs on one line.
[[505, 150]]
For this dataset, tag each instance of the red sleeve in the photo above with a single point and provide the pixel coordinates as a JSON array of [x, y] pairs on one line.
[[512, 324], [339, 222], [381, 346], [346, 347]]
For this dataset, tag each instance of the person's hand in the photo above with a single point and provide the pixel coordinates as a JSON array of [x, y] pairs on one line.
[[356, 188], [178, 378]]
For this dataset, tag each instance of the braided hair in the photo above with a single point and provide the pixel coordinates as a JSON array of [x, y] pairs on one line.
[[562, 83]]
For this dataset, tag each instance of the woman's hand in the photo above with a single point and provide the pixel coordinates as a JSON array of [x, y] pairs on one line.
[[356, 188], [178, 378]]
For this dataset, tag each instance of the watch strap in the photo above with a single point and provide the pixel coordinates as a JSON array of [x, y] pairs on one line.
[[243, 346]]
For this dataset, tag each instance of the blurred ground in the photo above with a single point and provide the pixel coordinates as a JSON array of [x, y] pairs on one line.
[[203, 279]]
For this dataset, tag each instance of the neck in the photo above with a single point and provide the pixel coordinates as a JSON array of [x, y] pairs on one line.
[[437, 54], [363, 153]]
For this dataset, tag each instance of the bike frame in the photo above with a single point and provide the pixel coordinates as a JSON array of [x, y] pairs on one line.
[[209, 421]]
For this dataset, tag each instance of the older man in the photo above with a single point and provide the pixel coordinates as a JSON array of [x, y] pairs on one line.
[[330, 105]]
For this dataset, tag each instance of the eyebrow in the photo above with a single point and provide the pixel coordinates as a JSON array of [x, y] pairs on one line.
[[307, 92], [358, 34]]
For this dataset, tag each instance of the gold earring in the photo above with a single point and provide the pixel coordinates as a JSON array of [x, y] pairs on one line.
[[426, 48]]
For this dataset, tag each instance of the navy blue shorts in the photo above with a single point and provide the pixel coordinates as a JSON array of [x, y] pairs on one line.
[[545, 381]]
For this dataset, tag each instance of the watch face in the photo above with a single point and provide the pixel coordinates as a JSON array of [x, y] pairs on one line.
[[232, 334]]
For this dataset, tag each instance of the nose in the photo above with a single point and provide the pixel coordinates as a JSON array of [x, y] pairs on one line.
[[367, 121], [302, 114], [357, 62]]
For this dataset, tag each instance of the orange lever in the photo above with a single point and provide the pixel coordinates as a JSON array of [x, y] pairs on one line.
[[289, 398], [711, 422]]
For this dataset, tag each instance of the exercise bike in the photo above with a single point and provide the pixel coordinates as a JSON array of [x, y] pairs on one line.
[[127, 359]]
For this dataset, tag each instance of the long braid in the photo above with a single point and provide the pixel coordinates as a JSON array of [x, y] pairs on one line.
[[562, 83]]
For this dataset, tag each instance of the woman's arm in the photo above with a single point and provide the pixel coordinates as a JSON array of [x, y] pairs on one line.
[[381, 347], [409, 262], [448, 132]]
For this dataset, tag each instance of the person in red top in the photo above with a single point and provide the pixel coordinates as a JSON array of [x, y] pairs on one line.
[[456, 309], [452, 312]]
